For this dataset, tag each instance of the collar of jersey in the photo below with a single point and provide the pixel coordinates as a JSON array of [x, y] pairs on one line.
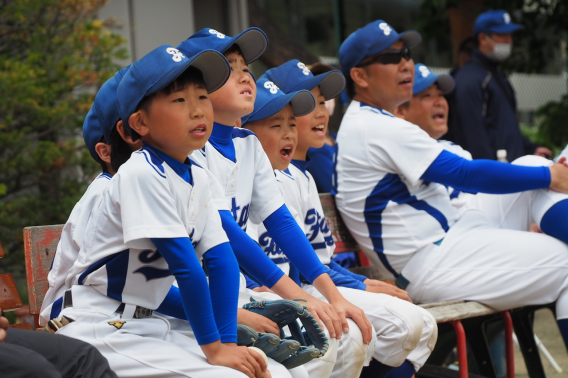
[[476, 54], [222, 139], [182, 169], [302, 165], [379, 109]]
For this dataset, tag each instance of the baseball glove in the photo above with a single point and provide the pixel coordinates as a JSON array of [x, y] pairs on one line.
[[305, 345], [249, 337]]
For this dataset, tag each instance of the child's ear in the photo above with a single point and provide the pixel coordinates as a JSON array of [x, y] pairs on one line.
[[124, 134], [138, 122], [103, 150]]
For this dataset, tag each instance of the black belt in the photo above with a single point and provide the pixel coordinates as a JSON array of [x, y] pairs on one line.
[[139, 313]]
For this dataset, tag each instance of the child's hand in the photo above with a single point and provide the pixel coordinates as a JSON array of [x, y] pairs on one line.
[[262, 289], [257, 322], [3, 326], [346, 309], [325, 314], [380, 287], [236, 357]]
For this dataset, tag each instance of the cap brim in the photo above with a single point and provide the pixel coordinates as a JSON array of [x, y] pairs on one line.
[[214, 67], [446, 83], [302, 103], [252, 42], [506, 28], [331, 84], [410, 38]]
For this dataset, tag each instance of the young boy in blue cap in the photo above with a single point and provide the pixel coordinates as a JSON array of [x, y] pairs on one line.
[[110, 146], [153, 224], [236, 158], [391, 193], [392, 318]]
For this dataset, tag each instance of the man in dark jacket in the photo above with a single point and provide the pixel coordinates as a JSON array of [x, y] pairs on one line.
[[483, 118]]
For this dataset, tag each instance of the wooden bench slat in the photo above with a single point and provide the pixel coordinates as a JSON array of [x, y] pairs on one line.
[[344, 242], [441, 304], [40, 244], [9, 297], [460, 311]]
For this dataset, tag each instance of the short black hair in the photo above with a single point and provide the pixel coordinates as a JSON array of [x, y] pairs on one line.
[[191, 76], [120, 151], [349, 86], [233, 49]]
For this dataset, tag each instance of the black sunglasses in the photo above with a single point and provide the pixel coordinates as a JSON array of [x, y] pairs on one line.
[[389, 57]]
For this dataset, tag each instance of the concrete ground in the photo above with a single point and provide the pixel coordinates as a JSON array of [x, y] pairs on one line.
[[547, 331]]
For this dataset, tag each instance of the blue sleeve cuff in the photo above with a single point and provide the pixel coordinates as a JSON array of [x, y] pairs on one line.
[[338, 268], [251, 284], [345, 281]]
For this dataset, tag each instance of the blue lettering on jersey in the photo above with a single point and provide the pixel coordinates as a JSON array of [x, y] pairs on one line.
[[317, 224], [244, 214], [148, 256], [268, 245]]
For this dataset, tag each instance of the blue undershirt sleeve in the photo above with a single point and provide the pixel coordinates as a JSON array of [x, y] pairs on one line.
[[194, 291], [249, 254], [251, 284], [485, 176], [345, 281], [553, 222], [224, 280], [172, 304], [293, 242], [338, 268]]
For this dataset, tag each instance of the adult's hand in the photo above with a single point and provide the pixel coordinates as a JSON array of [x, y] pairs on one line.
[[559, 176], [380, 287]]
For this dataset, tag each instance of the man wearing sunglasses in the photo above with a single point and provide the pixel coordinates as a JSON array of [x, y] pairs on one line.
[[391, 193]]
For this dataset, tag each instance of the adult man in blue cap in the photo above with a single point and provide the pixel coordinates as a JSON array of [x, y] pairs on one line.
[[483, 117], [391, 191]]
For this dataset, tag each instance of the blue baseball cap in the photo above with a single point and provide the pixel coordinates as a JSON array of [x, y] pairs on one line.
[[294, 75], [162, 66], [495, 21], [372, 39], [252, 42], [270, 100], [103, 116], [423, 78]]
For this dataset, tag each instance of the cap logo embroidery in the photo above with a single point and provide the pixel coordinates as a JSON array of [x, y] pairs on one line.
[[176, 55], [219, 35], [507, 18], [305, 70], [385, 28], [424, 71], [271, 86]]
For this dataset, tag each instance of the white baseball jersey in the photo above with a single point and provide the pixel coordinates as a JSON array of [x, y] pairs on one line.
[[145, 199], [69, 244], [302, 199], [380, 195], [248, 183]]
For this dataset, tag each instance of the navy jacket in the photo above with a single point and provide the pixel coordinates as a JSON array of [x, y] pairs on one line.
[[483, 112]]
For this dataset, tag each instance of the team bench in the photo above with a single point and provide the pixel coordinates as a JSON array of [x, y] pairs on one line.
[[466, 318]]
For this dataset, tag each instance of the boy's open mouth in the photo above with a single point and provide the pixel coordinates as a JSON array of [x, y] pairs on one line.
[[286, 152], [319, 130]]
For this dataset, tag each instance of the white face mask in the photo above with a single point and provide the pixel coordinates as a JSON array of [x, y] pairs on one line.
[[501, 51]]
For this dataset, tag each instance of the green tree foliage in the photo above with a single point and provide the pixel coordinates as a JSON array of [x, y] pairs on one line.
[[54, 55], [535, 47], [552, 130]]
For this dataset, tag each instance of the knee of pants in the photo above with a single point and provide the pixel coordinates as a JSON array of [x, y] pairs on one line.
[[406, 325], [430, 329], [331, 354], [352, 342]]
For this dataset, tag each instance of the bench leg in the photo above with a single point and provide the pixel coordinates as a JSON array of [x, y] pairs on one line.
[[508, 323], [522, 323], [476, 331], [462, 348]]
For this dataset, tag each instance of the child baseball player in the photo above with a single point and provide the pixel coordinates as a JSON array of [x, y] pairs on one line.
[[110, 146], [153, 224], [428, 109], [393, 319], [391, 192], [236, 158]]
